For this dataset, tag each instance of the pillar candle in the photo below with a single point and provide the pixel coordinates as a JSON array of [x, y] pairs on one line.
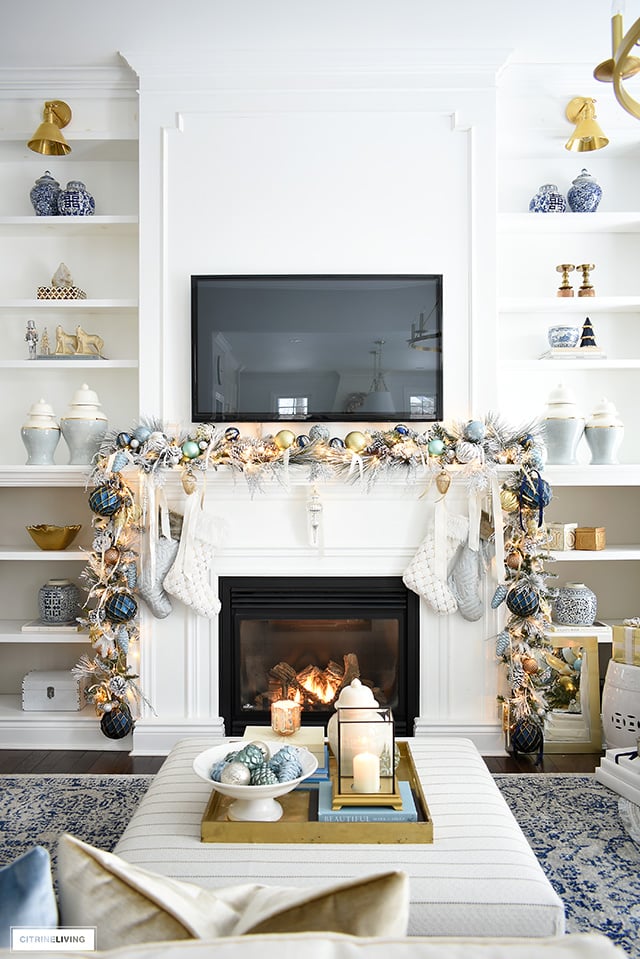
[[366, 773]]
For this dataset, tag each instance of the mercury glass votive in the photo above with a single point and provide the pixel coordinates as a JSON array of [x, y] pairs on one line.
[[285, 717]]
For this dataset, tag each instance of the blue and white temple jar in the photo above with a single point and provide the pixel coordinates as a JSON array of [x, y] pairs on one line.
[[575, 605], [44, 195], [75, 200], [584, 194], [548, 200]]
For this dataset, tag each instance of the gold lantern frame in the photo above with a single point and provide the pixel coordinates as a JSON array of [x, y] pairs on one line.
[[369, 732]]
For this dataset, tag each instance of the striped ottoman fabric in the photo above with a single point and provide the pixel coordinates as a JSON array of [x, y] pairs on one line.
[[479, 877]]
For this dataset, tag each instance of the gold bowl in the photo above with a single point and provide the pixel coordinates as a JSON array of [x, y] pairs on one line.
[[53, 537]]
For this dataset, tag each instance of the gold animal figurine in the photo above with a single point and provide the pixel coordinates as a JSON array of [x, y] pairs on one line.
[[79, 344]]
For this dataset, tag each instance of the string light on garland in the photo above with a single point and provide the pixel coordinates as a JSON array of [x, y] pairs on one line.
[[477, 447]]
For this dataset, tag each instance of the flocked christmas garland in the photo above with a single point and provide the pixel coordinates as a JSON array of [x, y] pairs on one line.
[[537, 679]]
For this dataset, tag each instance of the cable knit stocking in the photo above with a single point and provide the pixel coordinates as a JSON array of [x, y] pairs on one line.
[[188, 579], [422, 575]]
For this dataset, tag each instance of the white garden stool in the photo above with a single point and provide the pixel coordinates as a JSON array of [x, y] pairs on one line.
[[621, 705]]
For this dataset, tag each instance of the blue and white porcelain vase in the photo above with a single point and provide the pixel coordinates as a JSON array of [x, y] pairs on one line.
[[44, 195], [59, 602], [575, 605], [584, 194], [75, 200], [548, 200]]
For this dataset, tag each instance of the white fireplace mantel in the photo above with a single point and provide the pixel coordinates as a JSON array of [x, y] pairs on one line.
[[364, 532]]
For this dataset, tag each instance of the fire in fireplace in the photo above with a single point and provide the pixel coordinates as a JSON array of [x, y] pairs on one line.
[[305, 638]]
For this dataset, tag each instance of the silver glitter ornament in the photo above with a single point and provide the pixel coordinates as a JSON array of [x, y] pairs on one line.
[[235, 774]]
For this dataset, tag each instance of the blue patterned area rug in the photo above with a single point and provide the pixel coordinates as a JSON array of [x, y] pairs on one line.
[[571, 822], [574, 827]]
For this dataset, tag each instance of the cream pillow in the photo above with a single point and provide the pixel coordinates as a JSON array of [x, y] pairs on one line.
[[129, 905]]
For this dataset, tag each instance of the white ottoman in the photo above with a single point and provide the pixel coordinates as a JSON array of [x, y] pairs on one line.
[[478, 878]]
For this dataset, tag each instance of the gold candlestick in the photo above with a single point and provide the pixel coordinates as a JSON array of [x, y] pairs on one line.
[[565, 288], [586, 289]]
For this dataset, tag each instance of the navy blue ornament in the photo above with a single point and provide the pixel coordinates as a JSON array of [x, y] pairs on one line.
[[527, 441], [303, 440], [527, 737], [402, 430], [232, 433], [120, 607], [117, 723], [522, 600], [104, 501], [336, 443], [534, 492], [123, 439]]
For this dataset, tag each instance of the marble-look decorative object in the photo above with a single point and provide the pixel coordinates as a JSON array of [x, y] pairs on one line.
[[75, 200], [44, 195], [575, 605], [548, 200], [563, 426], [40, 434], [83, 426], [604, 432], [584, 193]]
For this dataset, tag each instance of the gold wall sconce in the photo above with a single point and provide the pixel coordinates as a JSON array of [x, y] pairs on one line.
[[587, 134], [48, 138], [620, 66]]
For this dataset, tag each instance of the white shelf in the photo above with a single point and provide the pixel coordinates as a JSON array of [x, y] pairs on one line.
[[88, 364], [558, 223], [11, 632], [11, 708], [89, 145], [609, 553], [86, 306], [569, 304], [38, 476], [18, 554], [547, 366], [624, 474], [68, 225]]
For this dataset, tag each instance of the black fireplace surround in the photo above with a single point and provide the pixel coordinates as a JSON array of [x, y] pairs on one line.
[[301, 637]]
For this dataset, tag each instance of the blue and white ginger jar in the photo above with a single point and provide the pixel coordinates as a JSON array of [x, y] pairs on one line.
[[584, 194], [575, 605], [75, 200], [548, 200], [44, 195]]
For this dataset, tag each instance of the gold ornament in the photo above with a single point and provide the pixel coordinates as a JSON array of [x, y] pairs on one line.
[[189, 483], [567, 684], [355, 441], [529, 665], [508, 500], [443, 482], [514, 560], [111, 556], [284, 439]]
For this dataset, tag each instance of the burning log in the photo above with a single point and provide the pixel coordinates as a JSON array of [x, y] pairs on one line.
[[312, 686]]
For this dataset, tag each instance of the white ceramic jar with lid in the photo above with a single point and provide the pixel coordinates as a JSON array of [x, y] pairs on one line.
[[604, 432], [40, 434], [563, 426], [83, 426]]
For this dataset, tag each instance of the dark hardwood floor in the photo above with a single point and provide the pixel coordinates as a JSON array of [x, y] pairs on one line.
[[99, 762]]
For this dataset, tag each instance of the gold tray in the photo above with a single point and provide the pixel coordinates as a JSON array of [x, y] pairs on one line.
[[299, 820]]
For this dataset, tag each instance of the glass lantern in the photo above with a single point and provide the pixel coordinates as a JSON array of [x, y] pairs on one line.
[[365, 760]]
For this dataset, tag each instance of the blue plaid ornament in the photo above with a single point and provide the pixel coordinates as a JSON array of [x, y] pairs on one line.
[[104, 501], [522, 600], [120, 607], [117, 723]]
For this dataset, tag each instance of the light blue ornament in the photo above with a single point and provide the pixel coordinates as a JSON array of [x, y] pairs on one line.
[[191, 449], [474, 431], [435, 447], [142, 434]]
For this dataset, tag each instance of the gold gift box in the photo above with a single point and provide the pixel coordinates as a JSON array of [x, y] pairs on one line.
[[591, 537], [626, 645]]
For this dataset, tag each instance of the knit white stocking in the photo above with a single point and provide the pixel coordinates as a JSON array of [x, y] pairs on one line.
[[188, 579], [422, 573]]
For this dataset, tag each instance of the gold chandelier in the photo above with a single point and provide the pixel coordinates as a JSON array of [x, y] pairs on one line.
[[620, 66]]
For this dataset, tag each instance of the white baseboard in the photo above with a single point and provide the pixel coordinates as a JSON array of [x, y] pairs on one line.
[[153, 738], [488, 738]]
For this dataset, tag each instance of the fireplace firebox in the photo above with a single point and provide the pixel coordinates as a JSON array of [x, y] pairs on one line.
[[304, 638]]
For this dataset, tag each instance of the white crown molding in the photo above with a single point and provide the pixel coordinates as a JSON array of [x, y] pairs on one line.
[[415, 67], [43, 82]]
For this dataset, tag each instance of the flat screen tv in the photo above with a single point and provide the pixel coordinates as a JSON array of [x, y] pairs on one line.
[[316, 348]]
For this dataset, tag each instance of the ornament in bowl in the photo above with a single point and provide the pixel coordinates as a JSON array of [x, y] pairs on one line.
[[253, 774]]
